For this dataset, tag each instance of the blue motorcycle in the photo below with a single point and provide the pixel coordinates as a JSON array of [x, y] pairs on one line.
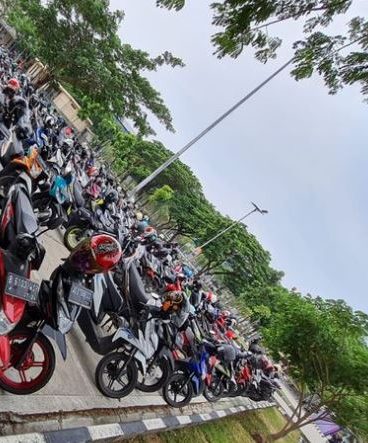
[[188, 379]]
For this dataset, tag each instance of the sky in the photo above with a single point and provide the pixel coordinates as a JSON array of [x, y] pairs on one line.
[[294, 149]]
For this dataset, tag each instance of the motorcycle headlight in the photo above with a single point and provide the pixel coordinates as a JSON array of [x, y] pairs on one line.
[[5, 325]]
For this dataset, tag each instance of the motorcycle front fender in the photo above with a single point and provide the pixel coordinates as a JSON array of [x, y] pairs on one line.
[[167, 355], [142, 361], [198, 385], [4, 350], [58, 337]]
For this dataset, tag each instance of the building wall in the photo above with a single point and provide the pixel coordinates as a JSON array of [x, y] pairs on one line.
[[7, 34]]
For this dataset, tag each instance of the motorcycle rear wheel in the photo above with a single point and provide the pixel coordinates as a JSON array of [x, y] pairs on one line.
[[144, 386], [28, 379], [107, 371], [214, 391]]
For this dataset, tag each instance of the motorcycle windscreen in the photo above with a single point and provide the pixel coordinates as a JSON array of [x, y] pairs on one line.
[[26, 220]]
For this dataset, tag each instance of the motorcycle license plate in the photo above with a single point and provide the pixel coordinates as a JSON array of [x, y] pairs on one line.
[[21, 287], [81, 296]]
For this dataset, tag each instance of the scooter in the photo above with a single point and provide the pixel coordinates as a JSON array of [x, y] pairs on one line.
[[31, 361]]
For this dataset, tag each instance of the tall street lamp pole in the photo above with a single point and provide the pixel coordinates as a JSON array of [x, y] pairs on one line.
[[168, 162], [256, 208]]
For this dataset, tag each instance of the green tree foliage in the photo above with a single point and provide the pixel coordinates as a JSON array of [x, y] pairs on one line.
[[78, 40], [248, 24], [325, 344], [236, 258], [161, 195], [160, 202]]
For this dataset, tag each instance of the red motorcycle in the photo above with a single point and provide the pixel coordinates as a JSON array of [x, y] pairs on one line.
[[20, 251], [28, 358]]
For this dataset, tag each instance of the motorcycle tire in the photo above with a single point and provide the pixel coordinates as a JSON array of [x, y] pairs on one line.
[[178, 381], [22, 386], [73, 235], [214, 391], [233, 390], [165, 367], [241, 390], [109, 365]]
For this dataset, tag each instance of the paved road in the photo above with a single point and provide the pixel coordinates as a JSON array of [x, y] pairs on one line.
[[310, 431]]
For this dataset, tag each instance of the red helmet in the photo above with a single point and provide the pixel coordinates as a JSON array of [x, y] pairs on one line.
[[96, 254], [13, 84], [150, 233], [211, 297], [92, 171], [230, 334]]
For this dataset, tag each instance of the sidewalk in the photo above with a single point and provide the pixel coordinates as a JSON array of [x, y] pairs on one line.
[[310, 431]]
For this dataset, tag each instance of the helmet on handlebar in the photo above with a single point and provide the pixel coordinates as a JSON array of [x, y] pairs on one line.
[[96, 254], [13, 84], [149, 233], [211, 297], [231, 335], [92, 171], [111, 197], [173, 301], [49, 122]]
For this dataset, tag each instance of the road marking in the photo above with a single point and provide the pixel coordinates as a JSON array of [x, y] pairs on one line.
[[154, 423], [25, 438], [105, 431], [205, 417], [184, 419]]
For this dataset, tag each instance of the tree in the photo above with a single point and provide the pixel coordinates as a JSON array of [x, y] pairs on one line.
[[247, 24], [325, 359], [236, 258], [161, 195], [78, 40], [159, 200]]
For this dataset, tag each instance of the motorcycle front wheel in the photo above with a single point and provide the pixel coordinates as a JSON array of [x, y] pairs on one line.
[[116, 376], [37, 368], [73, 236], [178, 391]]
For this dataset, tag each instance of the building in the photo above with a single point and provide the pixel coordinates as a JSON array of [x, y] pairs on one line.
[[7, 35]]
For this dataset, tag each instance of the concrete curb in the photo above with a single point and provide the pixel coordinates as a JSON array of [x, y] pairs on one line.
[[126, 430]]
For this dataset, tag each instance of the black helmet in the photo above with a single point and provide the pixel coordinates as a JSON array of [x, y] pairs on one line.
[[19, 102], [111, 197]]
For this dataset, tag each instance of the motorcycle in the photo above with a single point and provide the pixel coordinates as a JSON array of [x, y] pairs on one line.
[[57, 306], [187, 381]]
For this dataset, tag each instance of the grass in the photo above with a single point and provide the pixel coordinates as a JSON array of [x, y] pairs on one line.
[[235, 429]]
